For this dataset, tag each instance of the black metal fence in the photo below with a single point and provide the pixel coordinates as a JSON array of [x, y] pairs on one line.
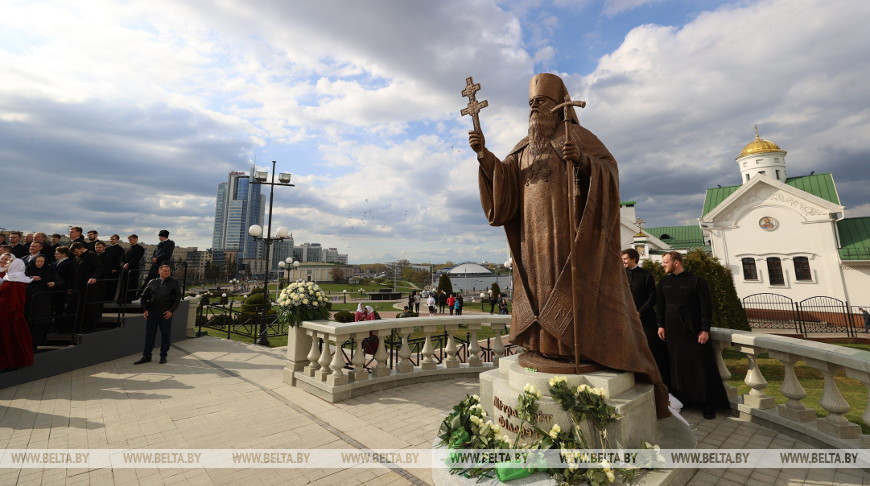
[[225, 318], [818, 314]]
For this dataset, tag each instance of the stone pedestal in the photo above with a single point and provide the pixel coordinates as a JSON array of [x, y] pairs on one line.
[[635, 402], [499, 389]]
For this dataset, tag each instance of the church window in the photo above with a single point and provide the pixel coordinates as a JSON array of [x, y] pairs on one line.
[[750, 272], [777, 173], [761, 172], [802, 269], [747, 177], [774, 271]]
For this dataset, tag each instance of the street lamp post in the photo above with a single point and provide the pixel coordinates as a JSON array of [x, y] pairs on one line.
[[509, 264], [257, 233]]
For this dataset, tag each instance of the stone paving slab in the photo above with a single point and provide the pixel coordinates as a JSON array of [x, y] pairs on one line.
[[219, 394]]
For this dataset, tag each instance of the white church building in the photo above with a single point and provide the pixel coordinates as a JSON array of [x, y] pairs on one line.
[[777, 234]]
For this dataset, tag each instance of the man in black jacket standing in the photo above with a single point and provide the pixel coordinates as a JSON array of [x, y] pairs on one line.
[[643, 290], [160, 298]]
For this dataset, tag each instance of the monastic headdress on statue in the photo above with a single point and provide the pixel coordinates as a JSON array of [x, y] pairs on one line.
[[552, 87]]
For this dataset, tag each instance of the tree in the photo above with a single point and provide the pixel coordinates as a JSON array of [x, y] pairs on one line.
[[727, 311], [496, 290], [444, 284], [337, 274]]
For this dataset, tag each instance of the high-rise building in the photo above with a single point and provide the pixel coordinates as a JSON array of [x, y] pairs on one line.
[[239, 205]]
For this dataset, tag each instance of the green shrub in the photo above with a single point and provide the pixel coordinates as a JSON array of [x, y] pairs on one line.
[[221, 320], [343, 316], [254, 303], [257, 290]]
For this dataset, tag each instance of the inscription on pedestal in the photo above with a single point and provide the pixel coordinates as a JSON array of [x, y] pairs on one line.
[[513, 427]]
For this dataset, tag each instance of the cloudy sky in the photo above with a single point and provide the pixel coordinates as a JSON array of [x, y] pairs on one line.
[[125, 116]]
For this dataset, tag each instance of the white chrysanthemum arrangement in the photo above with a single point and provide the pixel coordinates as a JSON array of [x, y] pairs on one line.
[[302, 301]]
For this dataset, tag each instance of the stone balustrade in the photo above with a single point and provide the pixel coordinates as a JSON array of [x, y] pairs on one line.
[[830, 360], [328, 359]]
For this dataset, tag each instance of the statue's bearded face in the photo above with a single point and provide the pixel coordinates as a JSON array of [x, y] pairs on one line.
[[542, 123]]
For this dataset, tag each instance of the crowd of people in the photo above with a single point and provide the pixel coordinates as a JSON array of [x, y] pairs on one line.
[[48, 281]]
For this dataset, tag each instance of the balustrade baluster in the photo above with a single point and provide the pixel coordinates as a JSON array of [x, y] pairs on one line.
[[497, 345], [313, 355], [834, 403], [381, 354], [724, 372], [756, 398], [473, 346], [358, 360], [338, 376], [450, 361], [792, 389], [405, 365], [864, 378], [325, 358], [428, 362]]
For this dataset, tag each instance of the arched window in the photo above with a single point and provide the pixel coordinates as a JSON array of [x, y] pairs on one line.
[[802, 269], [750, 272], [774, 271]]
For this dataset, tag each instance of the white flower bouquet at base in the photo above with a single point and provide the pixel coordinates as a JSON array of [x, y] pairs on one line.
[[302, 301]]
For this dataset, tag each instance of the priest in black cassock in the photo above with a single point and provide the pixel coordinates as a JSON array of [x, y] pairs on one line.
[[684, 311], [643, 290]]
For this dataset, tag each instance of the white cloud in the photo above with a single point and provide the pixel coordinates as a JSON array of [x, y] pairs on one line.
[[616, 7]]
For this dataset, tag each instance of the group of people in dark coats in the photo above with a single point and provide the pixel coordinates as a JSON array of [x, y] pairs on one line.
[[69, 281], [676, 318]]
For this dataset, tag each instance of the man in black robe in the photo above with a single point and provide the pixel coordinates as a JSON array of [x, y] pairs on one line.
[[87, 270], [131, 263], [18, 249], [643, 290], [162, 255], [684, 311], [75, 236]]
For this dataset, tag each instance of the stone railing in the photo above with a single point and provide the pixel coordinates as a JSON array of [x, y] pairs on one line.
[[328, 359], [833, 429]]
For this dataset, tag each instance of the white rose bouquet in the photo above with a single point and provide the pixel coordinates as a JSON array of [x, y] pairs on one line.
[[302, 301]]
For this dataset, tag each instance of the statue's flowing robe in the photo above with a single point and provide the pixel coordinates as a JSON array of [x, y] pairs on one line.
[[528, 194]]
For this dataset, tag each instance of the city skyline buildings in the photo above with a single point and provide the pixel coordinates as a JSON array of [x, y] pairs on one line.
[[240, 204]]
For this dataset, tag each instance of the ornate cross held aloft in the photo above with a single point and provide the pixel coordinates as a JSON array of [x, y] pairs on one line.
[[474, 106]]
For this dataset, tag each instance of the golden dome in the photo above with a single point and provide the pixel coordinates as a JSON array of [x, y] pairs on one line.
[[759, 146]]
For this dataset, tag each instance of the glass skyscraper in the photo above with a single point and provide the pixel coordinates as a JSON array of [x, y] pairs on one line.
[[239, 205]]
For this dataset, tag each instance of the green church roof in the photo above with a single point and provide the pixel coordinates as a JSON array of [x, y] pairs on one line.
[[854, 238], [820, 185], [679, 237]]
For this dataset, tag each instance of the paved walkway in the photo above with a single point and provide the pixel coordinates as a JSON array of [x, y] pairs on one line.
[[219, 394]]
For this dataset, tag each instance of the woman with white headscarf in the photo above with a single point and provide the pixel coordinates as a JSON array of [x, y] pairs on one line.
[[16, 344]]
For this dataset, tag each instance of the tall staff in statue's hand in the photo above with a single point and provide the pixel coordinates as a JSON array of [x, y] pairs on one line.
[[474, 106], [572, 156]]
